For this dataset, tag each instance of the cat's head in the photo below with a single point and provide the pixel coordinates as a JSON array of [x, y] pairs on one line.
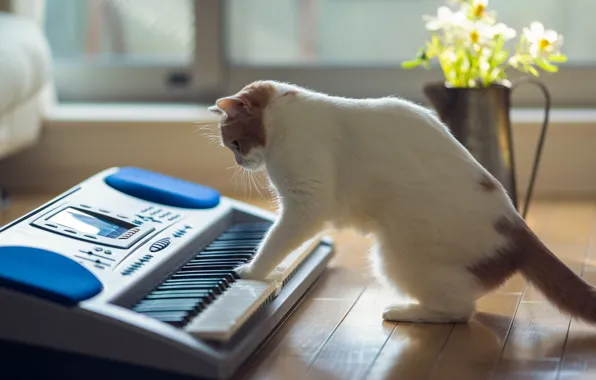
[[241, 123]]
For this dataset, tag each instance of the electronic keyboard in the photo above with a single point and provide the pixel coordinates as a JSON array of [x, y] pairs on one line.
[[135, 269]]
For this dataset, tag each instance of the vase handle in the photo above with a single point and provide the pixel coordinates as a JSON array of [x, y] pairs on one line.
[[540, 144]]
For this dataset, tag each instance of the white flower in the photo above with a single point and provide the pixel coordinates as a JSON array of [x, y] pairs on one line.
[[445, 19], [542, 42], [504, 31], [479, 8], [477, 32]]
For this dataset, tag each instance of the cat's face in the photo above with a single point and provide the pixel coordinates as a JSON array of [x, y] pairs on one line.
[[241, 124]]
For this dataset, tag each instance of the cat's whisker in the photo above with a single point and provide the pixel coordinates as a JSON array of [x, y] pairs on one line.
[[235, 177], [247, 183], [256, 182], [206, 127]]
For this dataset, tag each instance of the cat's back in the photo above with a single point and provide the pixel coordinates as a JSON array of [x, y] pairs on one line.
[[398, 156]]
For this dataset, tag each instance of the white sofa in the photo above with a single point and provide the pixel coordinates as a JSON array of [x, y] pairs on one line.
[[25, 75]]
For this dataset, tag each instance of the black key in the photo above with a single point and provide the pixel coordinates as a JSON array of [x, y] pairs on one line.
[[235, 242], [206, 272], [217, 289], [146, 309], [205, 281], [250, 227], [227, 236], [188, 286], [211, 266], [210, 260], [204, 293], [236, 256], [223, 275], [197, 304], [229, 278], [198, 294], [172, 303], [231, 247], [171, 317], [225, 251], [174, 296]]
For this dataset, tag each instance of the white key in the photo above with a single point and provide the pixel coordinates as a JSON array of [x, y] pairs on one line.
[[291, 262], [230, 310]]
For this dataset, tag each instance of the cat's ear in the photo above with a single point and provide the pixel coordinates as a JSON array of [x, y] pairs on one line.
[[215, 110], [231, 106]]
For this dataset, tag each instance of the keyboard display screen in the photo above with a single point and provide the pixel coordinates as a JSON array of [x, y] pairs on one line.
[[91, 223]]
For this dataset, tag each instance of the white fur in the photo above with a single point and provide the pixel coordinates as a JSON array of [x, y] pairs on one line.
[[389, 168]]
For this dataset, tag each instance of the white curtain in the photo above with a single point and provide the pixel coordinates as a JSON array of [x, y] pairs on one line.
[[32, 9]]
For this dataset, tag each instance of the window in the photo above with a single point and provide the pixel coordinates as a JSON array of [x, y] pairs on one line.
[[193, 50], [133, 50]]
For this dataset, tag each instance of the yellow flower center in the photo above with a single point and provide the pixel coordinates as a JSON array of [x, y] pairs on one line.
[[543, 43], [478, 10], [475, 36]]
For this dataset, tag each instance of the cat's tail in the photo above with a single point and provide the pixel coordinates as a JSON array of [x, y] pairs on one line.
[[559, 284]]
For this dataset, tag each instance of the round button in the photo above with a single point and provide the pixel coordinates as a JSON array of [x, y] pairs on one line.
[[98, 249]]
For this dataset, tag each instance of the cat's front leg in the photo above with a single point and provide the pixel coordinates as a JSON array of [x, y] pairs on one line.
[[294, 227]]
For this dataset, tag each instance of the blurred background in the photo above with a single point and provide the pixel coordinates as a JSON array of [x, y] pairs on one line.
[[129, 81]]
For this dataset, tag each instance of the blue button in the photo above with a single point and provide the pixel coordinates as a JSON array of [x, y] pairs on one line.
[[162, 189], [46, 275]]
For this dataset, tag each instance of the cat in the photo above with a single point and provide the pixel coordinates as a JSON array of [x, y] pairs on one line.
[[446, 232]]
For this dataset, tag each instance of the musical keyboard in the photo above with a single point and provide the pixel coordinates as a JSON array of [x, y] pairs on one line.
[[136, 269]]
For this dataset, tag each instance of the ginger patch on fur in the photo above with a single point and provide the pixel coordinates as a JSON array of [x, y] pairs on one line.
[[246, 130]]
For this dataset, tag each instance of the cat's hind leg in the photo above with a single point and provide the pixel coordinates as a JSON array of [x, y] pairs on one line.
[[436, 309], [442, 294]]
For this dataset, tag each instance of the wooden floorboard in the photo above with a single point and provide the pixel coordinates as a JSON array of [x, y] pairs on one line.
[[338, 333]]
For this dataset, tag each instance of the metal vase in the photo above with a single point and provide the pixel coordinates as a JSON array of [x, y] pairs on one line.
[[479, 118]]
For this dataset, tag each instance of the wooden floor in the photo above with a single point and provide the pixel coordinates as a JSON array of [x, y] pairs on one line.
[[338, 333]]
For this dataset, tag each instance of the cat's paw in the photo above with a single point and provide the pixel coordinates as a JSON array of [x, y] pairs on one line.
[[417, 314], [249, 272]]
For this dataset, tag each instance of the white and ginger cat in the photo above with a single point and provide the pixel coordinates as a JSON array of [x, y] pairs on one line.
[[446, 232]]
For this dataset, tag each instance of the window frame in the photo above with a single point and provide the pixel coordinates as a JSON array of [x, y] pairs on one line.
[[101, 82], [368, 81], [213, 75]]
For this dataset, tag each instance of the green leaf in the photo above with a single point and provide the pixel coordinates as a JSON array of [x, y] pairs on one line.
[[558, 58], [500, 57], [411, 64], [546, 66], [532, 70], [499, 44]]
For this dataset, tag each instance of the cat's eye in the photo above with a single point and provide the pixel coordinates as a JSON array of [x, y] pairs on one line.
[[236, 144]]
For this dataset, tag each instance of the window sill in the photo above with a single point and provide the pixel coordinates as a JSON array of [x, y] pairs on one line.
[[163, 137], [93, 113]]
